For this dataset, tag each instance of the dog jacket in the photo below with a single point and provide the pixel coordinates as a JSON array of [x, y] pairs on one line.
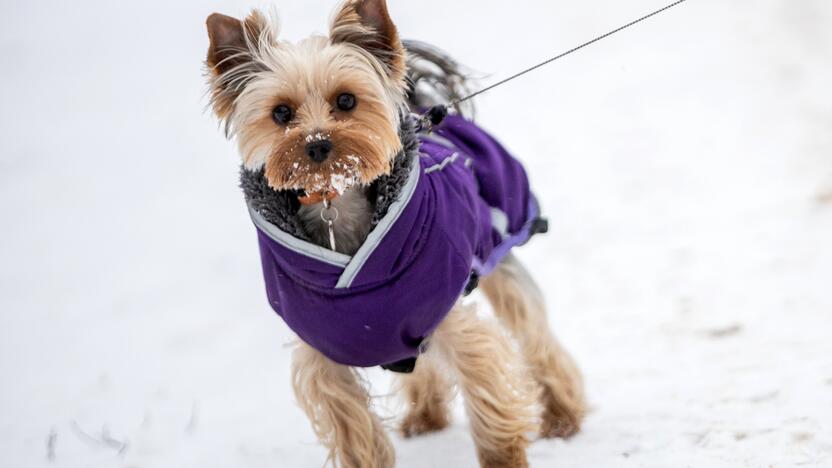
[[465, 204]]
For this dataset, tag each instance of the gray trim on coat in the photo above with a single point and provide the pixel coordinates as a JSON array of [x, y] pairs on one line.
[[376, 235], [440, 166], [300, 246]]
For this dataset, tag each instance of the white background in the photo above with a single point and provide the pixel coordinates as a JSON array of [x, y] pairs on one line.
[[685, 165]]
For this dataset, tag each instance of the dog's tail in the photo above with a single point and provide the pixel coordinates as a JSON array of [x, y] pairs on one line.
[[434, 78]]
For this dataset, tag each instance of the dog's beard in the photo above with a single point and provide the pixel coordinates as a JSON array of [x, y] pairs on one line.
[[309, 177], [360, 154]]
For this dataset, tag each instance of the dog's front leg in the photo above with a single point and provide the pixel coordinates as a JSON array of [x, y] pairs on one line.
[[428, 394], [499, 394], [337, 404]]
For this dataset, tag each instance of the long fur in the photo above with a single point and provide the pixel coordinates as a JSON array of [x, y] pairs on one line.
[[435, 78], [427, 393], [518, 303], [499, 396], [337, 403], [250, 72]]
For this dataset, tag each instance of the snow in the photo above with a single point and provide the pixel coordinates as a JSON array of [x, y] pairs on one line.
[[317, 136], [685, 166], [341, 182]]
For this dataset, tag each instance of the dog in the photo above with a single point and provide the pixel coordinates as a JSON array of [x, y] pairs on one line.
[[371, 233]]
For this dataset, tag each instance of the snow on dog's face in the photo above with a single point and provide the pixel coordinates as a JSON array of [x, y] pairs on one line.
[[319, 115]]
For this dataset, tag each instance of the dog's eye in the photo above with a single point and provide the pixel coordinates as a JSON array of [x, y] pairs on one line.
[[345, 102], [282, 114]]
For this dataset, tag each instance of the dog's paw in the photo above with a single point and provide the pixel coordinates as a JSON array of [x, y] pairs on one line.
[[510, 457], [558, 426], [561, 420], [416, 424]]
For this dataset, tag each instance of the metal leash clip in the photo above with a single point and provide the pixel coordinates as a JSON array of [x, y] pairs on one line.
[[432, 118], [328, 215]]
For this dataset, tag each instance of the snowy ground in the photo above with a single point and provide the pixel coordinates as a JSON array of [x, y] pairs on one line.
[[686, 167]]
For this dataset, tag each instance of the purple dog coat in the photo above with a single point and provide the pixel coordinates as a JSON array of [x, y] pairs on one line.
[[465, 204]]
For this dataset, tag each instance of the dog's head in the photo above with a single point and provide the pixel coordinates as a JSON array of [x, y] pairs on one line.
[[318, 115]]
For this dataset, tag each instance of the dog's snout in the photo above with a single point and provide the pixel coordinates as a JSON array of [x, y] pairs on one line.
[[319, 150]]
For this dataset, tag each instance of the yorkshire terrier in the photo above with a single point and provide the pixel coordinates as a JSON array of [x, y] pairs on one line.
[[347, 199]]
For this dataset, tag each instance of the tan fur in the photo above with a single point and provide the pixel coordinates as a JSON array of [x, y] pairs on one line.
[[363, 139], [428, 394], [337, 404], [229, 59], [367, 24], [308, 78], [250, 73], [518, 303], [499, 397]]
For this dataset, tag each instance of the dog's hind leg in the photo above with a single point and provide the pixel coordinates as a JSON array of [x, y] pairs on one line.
[[518, 303], [337, 404], [428, 395], [499, 395]]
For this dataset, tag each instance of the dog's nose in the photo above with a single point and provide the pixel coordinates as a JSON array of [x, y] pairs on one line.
[[319, 150]]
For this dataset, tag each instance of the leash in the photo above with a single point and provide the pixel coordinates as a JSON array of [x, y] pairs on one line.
[[435, 115]]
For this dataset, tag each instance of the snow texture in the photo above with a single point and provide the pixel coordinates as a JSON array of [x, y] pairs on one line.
[[685, 165]]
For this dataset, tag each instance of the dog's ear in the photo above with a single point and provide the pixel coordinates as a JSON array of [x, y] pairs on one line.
[[232, 55], [232, 40], [367, 24]]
